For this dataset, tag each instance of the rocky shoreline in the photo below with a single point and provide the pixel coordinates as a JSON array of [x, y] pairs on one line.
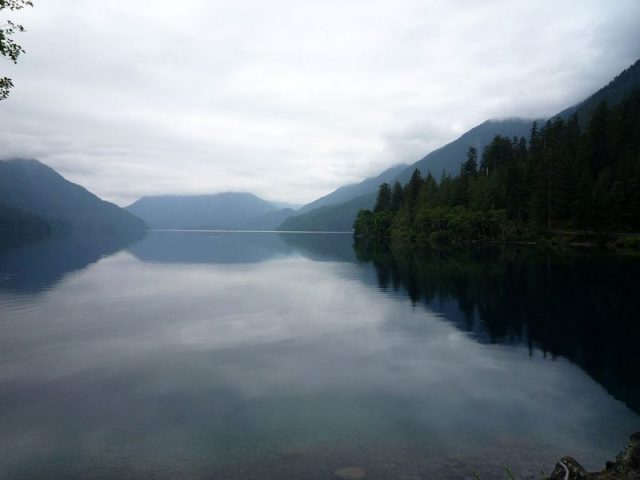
[[625, 467]]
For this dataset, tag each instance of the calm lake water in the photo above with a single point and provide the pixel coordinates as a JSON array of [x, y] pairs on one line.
[[208, 355]]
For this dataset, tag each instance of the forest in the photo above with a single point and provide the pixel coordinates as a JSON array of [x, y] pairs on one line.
[[17, 226], [567, 177]]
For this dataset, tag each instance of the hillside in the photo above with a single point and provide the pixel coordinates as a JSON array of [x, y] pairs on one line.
[[330, 218], [340, 216], [449, 157], [34, 188], [620, 87], [268, 221], [452, 155], [17, 226], [565, 179], [229, 210], [349, 192]]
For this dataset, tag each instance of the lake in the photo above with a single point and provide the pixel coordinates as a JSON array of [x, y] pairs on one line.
[[226, 355]]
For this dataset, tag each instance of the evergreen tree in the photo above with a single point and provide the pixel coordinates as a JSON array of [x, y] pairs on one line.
[[383, 202], [598, 142], [397, 197], [564, 179], [470, 166], [413, 189]]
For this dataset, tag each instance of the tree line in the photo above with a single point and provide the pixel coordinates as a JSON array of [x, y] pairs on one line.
[[564, 177]]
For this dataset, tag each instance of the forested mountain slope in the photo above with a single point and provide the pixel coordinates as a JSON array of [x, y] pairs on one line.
[[34, 188]]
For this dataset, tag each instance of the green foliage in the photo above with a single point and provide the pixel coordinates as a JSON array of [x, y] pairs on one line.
[[564, 179], [9, 49]]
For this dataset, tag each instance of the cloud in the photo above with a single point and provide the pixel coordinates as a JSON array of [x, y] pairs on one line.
[[290, 99]]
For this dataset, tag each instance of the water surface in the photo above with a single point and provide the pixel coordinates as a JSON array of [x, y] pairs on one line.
[[200, 355]]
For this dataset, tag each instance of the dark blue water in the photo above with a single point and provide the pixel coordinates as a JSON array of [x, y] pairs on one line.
[[261, 355]]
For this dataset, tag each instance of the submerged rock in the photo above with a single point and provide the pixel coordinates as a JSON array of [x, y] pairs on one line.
[[626, 466], [350, 473]]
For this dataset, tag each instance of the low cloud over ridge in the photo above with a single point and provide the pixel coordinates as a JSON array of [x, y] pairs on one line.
[[289, 99]]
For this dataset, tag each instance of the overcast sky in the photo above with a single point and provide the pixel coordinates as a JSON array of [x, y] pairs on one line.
[[289, 99]]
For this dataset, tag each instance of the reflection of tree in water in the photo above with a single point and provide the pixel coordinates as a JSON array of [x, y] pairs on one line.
[[582, 306]]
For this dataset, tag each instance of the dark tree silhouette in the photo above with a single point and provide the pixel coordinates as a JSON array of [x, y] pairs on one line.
[[565, 179], [9, 49]]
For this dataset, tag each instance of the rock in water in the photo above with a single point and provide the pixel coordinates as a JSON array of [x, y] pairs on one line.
[[350, 473], [626, 466], [630, 458], [569, 469]]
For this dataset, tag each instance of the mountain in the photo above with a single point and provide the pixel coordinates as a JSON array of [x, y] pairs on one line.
[[36, 189], [349, 192], [340, 216], [18, 227], [223, 211], [330, 218], [449, 157], [453, 154], [286, 205], [621, 86], [269, 221]]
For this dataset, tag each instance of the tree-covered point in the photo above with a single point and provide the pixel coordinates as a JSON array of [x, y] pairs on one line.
[[561, 179]]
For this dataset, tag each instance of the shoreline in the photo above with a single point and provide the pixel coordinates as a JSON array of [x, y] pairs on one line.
[[626, 466]]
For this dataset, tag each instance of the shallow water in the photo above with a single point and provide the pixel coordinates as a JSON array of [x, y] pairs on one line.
[[263, 355]]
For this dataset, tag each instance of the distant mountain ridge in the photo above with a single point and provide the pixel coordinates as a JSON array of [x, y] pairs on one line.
[[221, 211], [449, 157], [340, 216], [31, 192], [349, 192], [268, 221], [329, 218], [621, 86], [34, 188]]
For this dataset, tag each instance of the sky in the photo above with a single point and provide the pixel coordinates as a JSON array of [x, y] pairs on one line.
[[289, 99]]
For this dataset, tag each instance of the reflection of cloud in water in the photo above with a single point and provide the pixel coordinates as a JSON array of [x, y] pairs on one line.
[[247, 357], [240, 247], [204, 247], [579, 306], [203, 369], [37, 267]]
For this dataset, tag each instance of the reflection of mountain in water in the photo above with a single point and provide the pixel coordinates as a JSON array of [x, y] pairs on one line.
[[37, 267], [333, 247], [209, 247], [580, 306], [240, 247]]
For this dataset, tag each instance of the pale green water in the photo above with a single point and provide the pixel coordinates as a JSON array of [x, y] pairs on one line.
[[239, 355]]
